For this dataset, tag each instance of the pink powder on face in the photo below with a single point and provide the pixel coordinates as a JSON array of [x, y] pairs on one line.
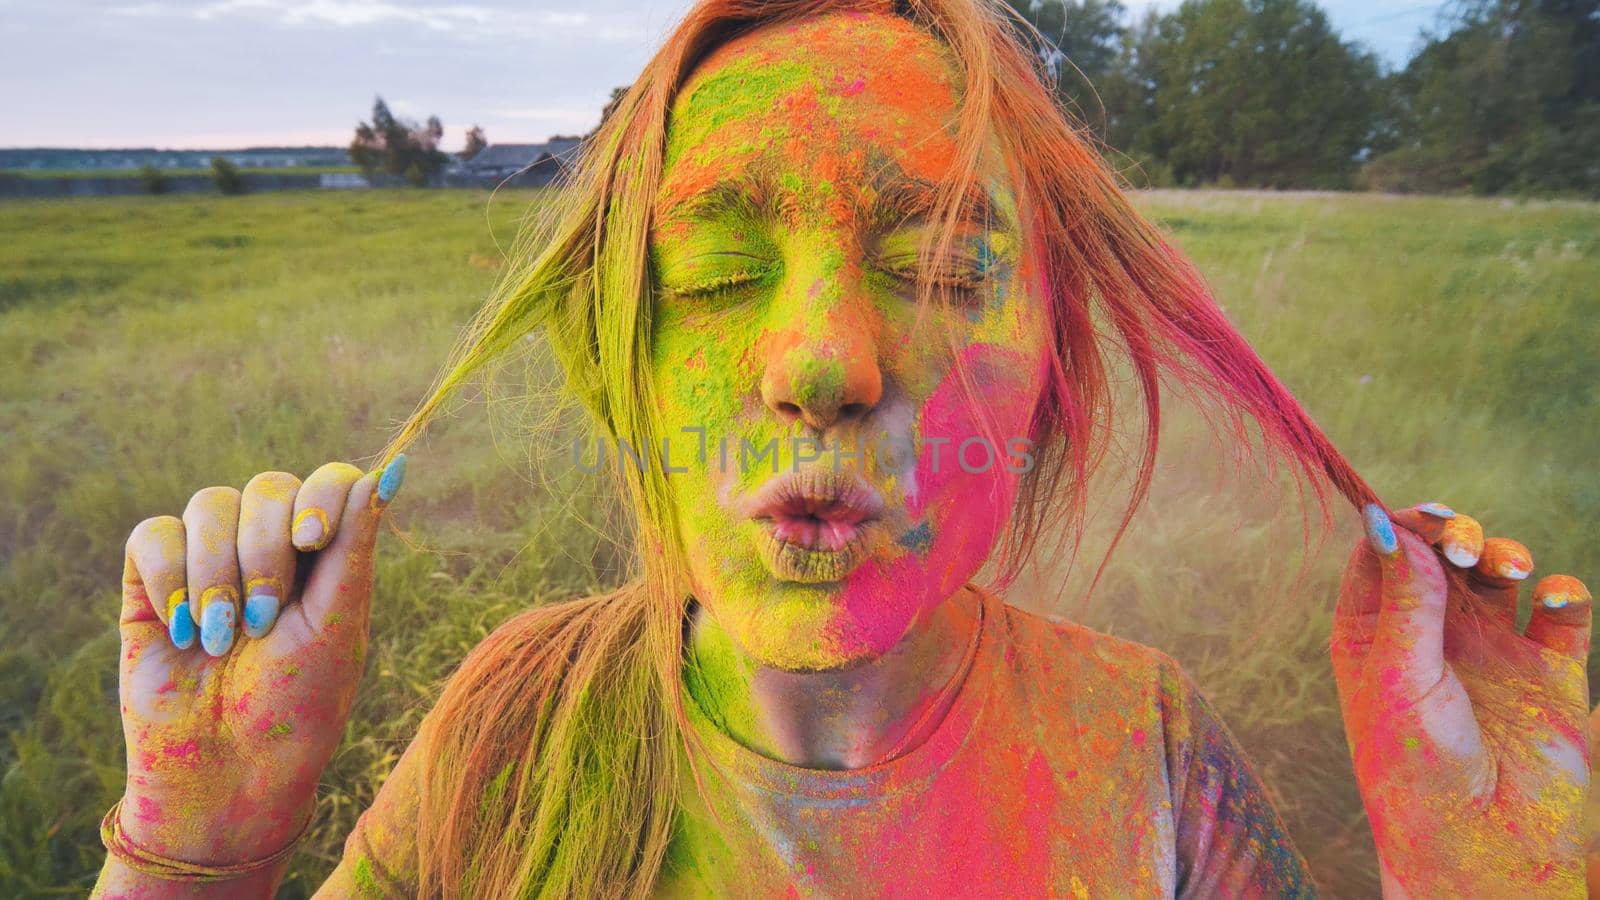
[[965, 511]]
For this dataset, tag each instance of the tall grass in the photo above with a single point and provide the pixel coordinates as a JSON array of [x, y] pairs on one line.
[[157, 345]]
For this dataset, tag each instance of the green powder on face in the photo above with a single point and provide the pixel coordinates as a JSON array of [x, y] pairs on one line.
[[737, 92], [818, 381]]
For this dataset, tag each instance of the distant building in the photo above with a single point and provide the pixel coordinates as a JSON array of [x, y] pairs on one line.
[[342, 181], [518, 165]]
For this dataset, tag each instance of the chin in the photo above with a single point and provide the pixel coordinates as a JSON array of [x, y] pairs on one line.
[[801, 627], [833, 626]]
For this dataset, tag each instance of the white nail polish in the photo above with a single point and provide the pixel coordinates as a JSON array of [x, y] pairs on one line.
[[1460, 556]]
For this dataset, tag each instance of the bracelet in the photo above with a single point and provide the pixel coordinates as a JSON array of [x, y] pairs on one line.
[[141, 860]]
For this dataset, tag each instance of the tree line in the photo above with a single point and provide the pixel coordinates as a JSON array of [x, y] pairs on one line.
[[1503, 96]]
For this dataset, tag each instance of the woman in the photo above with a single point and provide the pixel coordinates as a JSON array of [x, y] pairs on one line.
[[832, 265]]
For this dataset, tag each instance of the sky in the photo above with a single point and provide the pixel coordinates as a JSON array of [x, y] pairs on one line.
[[223, 74]]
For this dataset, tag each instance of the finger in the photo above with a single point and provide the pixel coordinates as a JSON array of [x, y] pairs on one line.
[[320, 503], [1427, 520], [1410, 629], [266, 557], [154, 579], [1592, 807], [1462, 541], [1355, 618], [211, 522], [1562, 615], [1505, 563], [1500, 570], [338, 591]]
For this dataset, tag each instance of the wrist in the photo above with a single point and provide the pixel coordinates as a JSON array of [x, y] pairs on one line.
[[129, 859], [174, 828]]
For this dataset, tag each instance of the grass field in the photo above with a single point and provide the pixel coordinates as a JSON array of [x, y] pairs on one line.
[[135, 173], [154, 346]]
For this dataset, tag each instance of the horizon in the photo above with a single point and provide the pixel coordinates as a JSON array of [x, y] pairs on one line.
[[255, 74]]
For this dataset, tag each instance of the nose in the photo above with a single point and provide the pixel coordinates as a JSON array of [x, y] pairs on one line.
[[822, 379]]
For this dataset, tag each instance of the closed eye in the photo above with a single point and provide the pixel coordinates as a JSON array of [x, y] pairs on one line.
[[714, 274], [958, 272]]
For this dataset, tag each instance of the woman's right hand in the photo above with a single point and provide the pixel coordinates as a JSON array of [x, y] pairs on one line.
[[244, 630]]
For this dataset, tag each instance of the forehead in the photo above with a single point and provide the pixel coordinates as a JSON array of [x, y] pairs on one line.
[[815, 106]]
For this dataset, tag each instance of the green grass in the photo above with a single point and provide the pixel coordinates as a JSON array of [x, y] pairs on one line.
[[157, 345], [135, 173]]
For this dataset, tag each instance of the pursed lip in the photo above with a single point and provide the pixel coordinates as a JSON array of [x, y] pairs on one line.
[[814, 523]]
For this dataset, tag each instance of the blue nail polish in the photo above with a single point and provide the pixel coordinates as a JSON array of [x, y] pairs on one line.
[[180, 626], [394, 475], [260, 611], [1438, 509], [216, 627], [1380, 531]]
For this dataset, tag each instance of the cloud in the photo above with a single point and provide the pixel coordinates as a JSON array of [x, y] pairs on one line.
[[365, 13]]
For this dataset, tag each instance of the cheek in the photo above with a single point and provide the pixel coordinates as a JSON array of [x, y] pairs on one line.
[[704, 388], [958, 497], [702, 370]]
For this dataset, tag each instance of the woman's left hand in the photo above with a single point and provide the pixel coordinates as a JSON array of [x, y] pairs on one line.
[[1469, 739]]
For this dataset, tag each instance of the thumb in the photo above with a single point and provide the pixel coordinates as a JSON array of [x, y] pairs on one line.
[[338, 590], [1408, 645]]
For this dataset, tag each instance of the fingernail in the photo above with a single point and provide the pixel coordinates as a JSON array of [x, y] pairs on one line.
[[1462, 541], [309, 528], [394, 475], [1514, 569], [260, 611], [1380, 531], [216, 621], [180, 623], [1438, 510], [1559, 591]]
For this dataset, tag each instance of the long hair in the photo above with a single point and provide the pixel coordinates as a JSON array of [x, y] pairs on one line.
[[560, 743]]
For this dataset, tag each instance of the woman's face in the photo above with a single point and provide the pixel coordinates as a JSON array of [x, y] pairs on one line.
[[839, 482]]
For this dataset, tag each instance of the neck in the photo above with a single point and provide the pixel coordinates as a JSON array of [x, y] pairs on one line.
[[845, 719]]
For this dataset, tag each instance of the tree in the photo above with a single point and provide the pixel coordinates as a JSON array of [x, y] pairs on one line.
[[1085, 48], [1507, 99], [226, 176], [398, 147], [152, 180], [475, 142], [1253, 92]]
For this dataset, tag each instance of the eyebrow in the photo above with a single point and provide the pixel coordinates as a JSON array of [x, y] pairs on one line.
[[745, 195], [900, 200], [904, 200]]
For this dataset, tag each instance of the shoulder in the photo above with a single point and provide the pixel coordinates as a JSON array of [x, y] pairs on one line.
[[1072, 676], [1058, 652]]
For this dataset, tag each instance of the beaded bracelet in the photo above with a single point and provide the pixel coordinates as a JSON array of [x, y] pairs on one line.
[[141, 860]]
